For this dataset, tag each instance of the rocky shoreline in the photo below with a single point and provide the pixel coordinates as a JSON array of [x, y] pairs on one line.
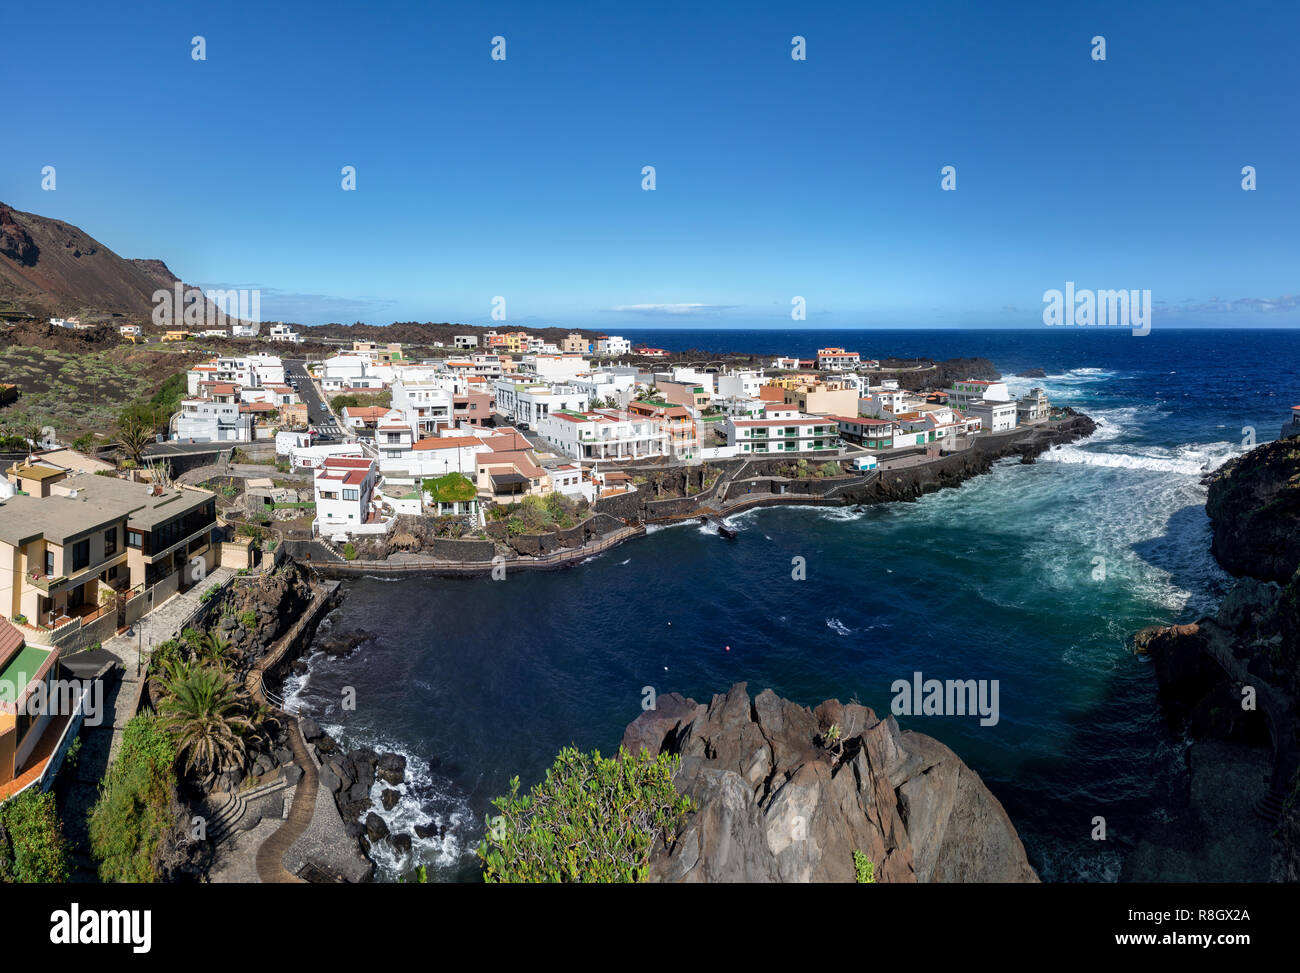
[[1232, 681], [887, 486]]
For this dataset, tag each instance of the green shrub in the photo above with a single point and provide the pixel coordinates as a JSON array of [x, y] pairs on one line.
[[133, 812], [34, 848], [864, 869], [592, 820], [350, 551], [247, 618]]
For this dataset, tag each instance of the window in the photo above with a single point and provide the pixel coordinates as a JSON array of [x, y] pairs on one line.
[[134, 538], [81, 554], [49, 563], [351, 495], [110, 542]]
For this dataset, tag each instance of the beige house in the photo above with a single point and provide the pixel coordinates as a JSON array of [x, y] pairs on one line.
[[823, 399]]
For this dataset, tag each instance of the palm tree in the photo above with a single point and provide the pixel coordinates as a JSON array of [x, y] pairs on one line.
[[32, 433], [212, 648], [203, 711], [133, 437]]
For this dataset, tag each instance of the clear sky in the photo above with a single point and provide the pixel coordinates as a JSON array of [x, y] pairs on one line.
[[775, 178]]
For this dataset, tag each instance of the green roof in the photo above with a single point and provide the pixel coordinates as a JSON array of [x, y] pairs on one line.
[[21, 669], [451, 488]]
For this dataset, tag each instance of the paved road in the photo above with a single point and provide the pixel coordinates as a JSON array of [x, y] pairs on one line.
[[318, 413]]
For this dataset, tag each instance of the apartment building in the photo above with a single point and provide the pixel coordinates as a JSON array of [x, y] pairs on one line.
[[837, 359], [464, 341], [90, 531], [782, 431], [675, 420], [604, 434]]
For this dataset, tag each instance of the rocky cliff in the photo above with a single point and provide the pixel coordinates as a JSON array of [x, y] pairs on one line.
[[1254, 504], [788, 794], [1252, 644]]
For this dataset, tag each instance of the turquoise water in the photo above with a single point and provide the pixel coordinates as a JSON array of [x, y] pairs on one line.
[[1001, 580]]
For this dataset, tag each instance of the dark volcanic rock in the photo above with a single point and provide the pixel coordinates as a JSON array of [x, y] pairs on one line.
[[1033, 373], [341, 643], [392, 768], [310, 729], [389, 798], [401, 842], [375, 827], [1254, 506], [777, 805]]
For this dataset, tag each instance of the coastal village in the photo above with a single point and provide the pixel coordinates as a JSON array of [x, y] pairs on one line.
[[277, 475]]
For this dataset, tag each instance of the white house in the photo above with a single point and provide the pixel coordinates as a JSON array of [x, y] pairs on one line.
[[882, 403], [426, 407], [993, 416], [465, 341], [284, 332], [344, 489], [612, 346], [130, 331], [215, 419], [245, 329]]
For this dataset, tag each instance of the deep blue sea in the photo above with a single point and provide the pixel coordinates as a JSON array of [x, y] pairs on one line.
[[476, 681]]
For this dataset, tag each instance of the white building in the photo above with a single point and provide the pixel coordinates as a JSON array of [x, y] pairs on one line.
[[740, 384], [214, 420], [353, 371], [882, 403], [973, 390], [993, 416], [426, 407], [284, 332], [553, 368], [310, 457], [130, 331], [528, 403], [465, 341], [245, 329], [603, 434], [612, 346], [782, 431], [1033, 406], [344, 489]]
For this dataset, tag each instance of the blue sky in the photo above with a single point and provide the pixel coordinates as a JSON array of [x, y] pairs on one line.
[[775, 178]]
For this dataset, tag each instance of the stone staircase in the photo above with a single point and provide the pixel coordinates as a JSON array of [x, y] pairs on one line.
[[226, 811]]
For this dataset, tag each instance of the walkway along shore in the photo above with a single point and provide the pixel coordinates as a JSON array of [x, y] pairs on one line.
[[740, 486]]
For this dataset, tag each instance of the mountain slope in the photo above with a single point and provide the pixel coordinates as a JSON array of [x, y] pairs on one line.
[[52, 267]]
